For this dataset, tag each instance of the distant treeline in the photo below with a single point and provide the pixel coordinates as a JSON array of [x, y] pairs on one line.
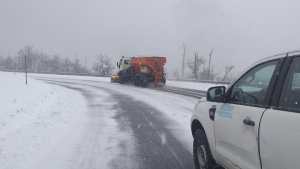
[[38, 62]]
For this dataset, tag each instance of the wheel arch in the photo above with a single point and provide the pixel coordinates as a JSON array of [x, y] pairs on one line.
[[207, 127], [196, 124]]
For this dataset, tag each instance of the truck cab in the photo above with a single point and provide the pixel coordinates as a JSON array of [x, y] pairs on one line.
[[124, 63], [123, 66], [254, 122]]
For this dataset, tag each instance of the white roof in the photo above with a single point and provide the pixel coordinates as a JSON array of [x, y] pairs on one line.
[[278, 56]]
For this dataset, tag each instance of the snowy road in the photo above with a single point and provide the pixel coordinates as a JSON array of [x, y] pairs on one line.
[[132, 127]]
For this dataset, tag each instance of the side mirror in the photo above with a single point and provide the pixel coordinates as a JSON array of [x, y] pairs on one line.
[[216, 94]]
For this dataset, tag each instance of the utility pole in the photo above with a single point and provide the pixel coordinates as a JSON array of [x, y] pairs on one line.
[[196, 66], [183, 60], [25, 57], [209, 64], [85, 62]]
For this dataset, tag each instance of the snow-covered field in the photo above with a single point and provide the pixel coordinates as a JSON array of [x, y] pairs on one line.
[[35, 123]]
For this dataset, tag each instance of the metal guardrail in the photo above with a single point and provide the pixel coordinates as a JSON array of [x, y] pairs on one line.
[[200, 81], [183, 91]]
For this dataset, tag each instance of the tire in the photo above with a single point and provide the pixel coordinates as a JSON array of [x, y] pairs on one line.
[[201, 151], [163, 80], [137, 80], [122, 77], [122, 81], [144, 81], [140, 80]]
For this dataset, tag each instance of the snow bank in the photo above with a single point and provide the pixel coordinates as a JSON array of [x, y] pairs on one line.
[[39, 123]]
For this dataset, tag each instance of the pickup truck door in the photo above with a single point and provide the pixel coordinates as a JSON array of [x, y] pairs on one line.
[[237, 120], [280, 126]]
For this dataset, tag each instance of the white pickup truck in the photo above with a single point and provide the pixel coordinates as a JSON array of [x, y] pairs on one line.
[[255, 122]]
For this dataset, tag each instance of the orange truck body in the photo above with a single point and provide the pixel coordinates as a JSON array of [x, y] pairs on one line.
[[154, 64]]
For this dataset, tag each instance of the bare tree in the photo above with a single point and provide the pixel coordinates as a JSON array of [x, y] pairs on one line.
[[196, 65], [103, 65], [42, 63], [176, 74], [228, 69]]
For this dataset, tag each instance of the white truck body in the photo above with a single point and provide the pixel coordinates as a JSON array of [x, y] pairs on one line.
[[261, 130]]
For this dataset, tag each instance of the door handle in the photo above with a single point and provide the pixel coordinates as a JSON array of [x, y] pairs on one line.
[[247, 121], [212, 112]]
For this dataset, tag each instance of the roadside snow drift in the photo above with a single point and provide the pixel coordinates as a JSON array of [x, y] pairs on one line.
[[38, 123]]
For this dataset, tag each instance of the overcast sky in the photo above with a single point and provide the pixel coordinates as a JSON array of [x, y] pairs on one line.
[[240, 31]]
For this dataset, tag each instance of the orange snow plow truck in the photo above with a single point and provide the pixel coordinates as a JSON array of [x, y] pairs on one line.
[[141, 71]]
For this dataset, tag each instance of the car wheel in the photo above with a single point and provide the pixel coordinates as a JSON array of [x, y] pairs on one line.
[[202, 155]]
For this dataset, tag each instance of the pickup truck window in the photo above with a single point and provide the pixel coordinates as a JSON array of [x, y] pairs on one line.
[[252, 88], [290, 98]]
